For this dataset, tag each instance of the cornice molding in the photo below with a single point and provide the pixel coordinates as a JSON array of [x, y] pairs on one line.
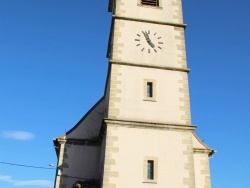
[[149, 21], [148, 66], [207, 151], [151, 125]]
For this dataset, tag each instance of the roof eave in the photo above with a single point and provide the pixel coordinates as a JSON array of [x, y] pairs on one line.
[[111, 3]]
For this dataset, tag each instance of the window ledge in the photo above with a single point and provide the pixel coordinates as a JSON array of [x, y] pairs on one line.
[[150, 181], [149, 6], [149, 99]]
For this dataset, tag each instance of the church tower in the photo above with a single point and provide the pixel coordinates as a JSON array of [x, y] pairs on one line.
[[140, 133], [150, 139]]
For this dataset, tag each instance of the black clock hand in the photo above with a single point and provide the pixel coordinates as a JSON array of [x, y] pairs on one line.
[[145, 35], [148, 39], [151, 44]]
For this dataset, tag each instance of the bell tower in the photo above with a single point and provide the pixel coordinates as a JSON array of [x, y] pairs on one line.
[[150, 141], [139, 134], [148, 72]]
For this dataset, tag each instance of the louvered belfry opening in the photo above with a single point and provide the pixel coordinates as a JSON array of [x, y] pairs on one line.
[[150, 2]]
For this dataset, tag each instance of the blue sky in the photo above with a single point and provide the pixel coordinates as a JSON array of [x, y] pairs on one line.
[[53, 69]]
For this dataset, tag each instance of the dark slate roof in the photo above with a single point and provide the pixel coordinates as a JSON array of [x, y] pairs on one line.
[[89, 126]]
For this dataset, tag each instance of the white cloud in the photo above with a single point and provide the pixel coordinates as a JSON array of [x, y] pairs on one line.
[[42, 183], [6, 178], [39, 183], [17, 135]]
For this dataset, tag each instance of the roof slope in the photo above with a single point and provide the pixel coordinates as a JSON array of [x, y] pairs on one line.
[[90, 124]]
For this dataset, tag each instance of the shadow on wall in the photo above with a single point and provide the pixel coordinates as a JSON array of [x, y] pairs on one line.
[[86, 184]]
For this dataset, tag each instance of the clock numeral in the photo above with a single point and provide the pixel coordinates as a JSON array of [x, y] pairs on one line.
[[154, 34], [159, 37], [142, 49], [138, 35], [148, 31], [159, 47], [137, 39], [160, 42], [138, 44], [148, 50], [155, 50]]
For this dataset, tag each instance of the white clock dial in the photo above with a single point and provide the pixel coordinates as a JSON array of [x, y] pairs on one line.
[[148, 42]]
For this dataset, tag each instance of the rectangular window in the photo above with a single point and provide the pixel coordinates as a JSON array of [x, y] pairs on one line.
[[150, 170], [150, 89], [150, 2]]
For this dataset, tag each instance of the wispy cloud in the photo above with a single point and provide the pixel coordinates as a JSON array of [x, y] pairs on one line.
[[5, 178], [17, 135], [39, 183]]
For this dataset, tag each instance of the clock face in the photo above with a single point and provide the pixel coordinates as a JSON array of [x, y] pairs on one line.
[[148, 41]]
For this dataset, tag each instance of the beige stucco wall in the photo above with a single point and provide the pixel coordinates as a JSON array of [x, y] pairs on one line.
[[169, 10], [127, 147], [59, 180], [127, 102], [126, 49], [201, 161], [202, 171]]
